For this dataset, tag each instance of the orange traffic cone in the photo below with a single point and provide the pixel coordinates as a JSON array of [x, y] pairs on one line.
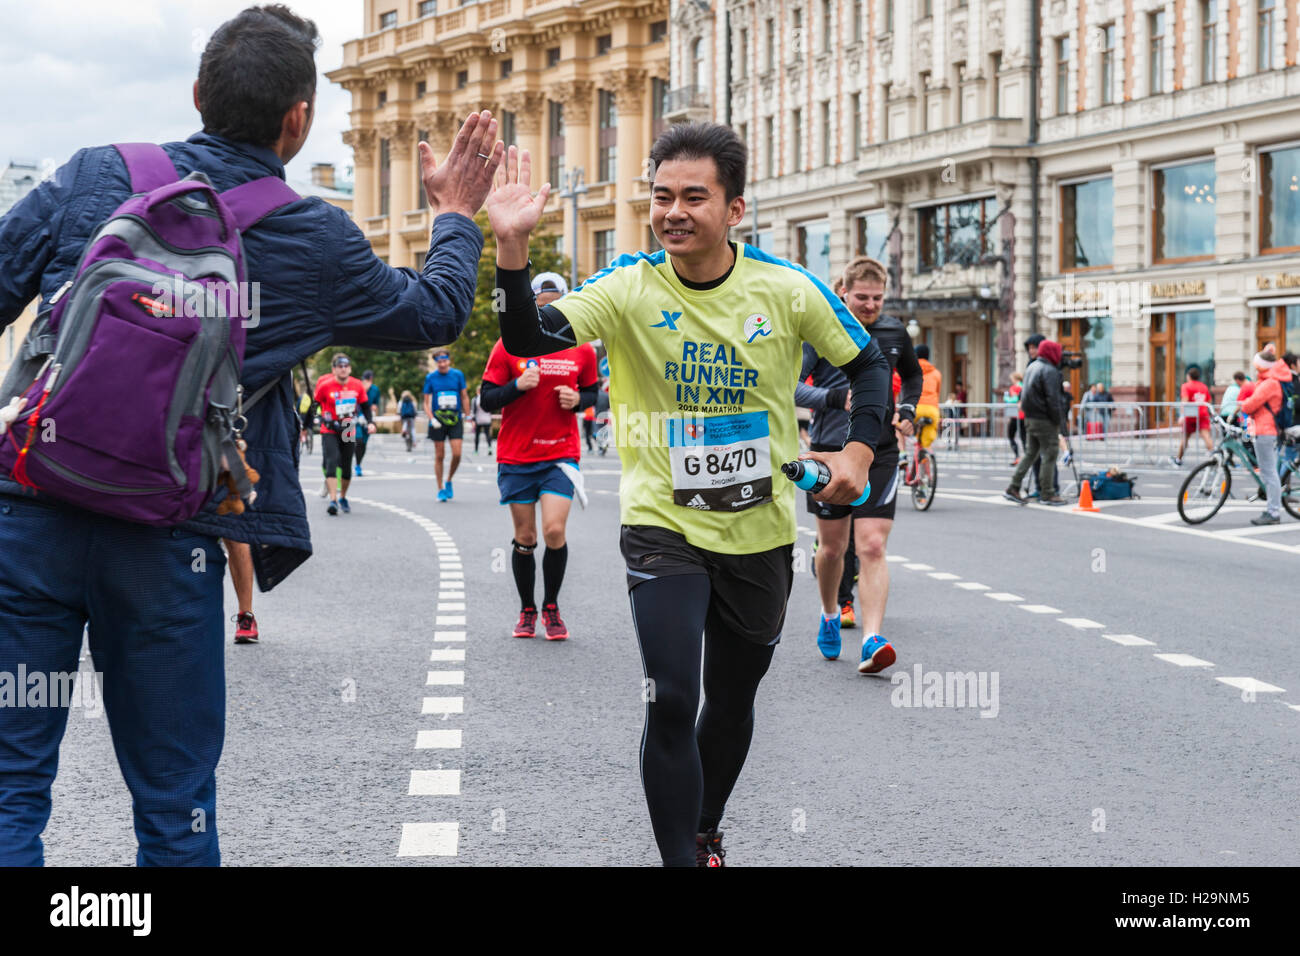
[[1085, 498]]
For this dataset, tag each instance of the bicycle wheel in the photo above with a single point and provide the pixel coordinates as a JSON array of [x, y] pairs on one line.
[[927, 475], [1204, 491], [1290, 495]]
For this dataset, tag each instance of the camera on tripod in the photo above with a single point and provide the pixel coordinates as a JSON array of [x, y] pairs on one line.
[[1071, 359]]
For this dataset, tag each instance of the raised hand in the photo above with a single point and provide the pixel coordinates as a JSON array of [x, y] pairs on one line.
[[465, 177], [513, 210]]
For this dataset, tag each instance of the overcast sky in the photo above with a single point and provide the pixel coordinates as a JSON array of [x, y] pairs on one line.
[[79, 73]]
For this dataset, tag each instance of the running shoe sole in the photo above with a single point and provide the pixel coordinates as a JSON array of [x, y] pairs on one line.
[[883, 658], [245, 640]]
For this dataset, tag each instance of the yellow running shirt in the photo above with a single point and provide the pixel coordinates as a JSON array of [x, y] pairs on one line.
[[702, 389]]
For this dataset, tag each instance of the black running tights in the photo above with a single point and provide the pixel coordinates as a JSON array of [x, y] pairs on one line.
[[688, 768]]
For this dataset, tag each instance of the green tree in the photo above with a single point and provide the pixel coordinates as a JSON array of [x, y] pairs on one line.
[[398, 371]]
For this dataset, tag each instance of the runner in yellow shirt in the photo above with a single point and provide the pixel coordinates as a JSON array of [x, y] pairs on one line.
[[705, 342]]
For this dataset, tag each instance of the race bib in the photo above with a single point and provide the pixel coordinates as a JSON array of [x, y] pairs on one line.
[[448, 400], [723, 463], [345, 406]]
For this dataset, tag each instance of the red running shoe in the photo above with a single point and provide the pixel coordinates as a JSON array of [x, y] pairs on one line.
[[245, 628], [555, 629], [527, 626], [708, 849]]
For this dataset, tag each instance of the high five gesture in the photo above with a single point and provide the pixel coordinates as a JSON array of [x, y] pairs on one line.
[[513, 210]]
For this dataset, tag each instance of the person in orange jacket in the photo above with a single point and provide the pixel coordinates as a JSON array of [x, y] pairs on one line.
[[1265, 402], [928, 404]]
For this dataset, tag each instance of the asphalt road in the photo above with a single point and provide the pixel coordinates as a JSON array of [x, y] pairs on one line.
[[1086, 747]]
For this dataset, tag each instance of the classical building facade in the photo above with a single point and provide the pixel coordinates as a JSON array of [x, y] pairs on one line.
[[579, 83], [1150, 143]]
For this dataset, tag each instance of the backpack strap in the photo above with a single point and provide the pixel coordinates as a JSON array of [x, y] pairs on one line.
[[253, 201], [148, 165]]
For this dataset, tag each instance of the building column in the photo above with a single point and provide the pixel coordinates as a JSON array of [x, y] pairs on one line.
[[401, 197], [575, 96], [1234, 199], [364, 201], [841, 227], [529, 107], [629, 88]]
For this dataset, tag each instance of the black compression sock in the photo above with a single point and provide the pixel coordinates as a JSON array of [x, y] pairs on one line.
[[553, 564], [525, 567], [709, 821]]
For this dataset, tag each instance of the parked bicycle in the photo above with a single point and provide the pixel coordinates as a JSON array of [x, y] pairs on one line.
[[919, 471], [1209, 484]]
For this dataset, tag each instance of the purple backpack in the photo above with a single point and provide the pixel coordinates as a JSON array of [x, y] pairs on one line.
[[130, 373]]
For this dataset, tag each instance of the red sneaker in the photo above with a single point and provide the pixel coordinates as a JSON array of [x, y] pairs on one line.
[[245, 628], [555, 629], [527, 626]]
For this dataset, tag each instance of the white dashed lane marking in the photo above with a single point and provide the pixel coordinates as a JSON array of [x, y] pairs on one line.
[[437, 740], [1248, 685], [1252, 685], [440, 837], [434, 783], [443, 705], [446, 678], [429, 839], [1183, 660], [1129, 640]]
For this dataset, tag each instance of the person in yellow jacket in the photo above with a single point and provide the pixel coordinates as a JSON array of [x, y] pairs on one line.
[[928, 406]]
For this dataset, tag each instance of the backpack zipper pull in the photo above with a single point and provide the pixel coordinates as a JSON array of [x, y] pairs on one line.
[[60, 292], [54, 377]]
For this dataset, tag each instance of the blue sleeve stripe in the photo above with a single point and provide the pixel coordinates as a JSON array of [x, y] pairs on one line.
[[654, 258], [852, 326]]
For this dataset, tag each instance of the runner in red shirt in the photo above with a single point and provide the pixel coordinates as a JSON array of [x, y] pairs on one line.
[[1196, 399], [537, 457], [342, 399]]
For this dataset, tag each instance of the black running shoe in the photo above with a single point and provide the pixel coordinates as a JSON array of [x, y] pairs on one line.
[[708, 849]]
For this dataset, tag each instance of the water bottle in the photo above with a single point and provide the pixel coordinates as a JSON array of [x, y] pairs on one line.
[[813, 475]]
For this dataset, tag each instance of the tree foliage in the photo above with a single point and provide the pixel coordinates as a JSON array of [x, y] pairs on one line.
[[398, 371]]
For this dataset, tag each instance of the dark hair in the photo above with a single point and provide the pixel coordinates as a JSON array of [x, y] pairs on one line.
[[922, 351], [1239, 376], [1289, 358], [255, 69], [1193, 373], [367, 374], [705, 140]]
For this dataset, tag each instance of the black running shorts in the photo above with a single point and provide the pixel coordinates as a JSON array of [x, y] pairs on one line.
[[338, 455], [749, 592], [884, 479]]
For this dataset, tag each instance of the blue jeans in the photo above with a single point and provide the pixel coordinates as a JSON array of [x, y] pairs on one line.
[[153, 599]]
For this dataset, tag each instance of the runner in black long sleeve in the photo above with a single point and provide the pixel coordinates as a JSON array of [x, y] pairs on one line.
[[704, 341]]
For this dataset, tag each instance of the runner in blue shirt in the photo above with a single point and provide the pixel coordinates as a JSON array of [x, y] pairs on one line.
[[446, 401]]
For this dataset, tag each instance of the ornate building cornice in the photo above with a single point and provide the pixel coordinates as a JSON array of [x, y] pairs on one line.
[[629, 89], [576, 96], [362, 141]]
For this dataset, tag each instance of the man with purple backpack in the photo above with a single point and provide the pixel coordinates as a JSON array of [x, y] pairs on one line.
[[111, 509]]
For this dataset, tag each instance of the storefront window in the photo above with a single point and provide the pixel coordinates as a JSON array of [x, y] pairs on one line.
[[1098, 345], [1279, 200], [1280, 325], [1180, 340], [1194, 345], [873, 234], [1184, 212], [763, 241], [961, 233], [815, 249], [1087, 224]]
